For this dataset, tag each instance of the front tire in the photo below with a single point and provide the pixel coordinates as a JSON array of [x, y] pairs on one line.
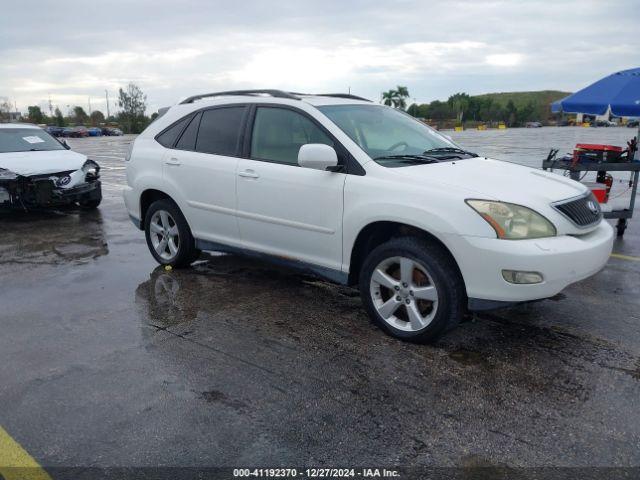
[[168, 235], [412, 289], [90, 204]]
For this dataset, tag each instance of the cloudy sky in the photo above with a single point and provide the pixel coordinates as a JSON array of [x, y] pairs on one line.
[[73, 51]]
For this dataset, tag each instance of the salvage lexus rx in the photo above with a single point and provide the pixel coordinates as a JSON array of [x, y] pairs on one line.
[[360, 194], [37, 170]]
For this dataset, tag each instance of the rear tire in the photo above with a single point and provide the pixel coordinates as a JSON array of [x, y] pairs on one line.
[[412, 289], [168, 235]]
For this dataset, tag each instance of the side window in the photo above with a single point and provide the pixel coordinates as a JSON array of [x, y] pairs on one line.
[[188, 139], [219, 130], [278, 134], [168, 137]]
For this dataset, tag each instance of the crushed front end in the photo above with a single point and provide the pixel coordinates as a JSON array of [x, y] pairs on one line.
[[25, 193]]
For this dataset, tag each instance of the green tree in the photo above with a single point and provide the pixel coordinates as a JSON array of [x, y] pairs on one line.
[[133, 103], [402, 94], [79, 117], [35, 114], [97, 117], [526, 113], [5, 109], [389, 97], [459, 103], [396, 98], [510, 113], [414, 110], [59, 119]]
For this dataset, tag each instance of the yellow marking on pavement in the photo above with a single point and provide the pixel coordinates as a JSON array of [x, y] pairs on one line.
[[625, 257], [16, 463]]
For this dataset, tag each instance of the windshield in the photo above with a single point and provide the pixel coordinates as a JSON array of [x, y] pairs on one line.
[[384, 133], [27, 140]]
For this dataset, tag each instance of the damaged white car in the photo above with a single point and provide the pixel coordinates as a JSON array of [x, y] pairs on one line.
[[37, 171]]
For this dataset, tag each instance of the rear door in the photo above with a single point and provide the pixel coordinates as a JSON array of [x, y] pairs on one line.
[[202, 166], [284, 209]]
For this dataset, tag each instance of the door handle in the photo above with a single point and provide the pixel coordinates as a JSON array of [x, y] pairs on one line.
[[248, 174], [173, 161]]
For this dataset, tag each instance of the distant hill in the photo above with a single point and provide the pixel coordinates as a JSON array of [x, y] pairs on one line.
[[512, 108], [520, 99]]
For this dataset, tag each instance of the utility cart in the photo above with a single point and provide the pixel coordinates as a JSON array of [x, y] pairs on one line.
[[576, 169]]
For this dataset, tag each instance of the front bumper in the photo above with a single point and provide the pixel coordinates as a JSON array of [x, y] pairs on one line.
[[25, 194], [562, 260]]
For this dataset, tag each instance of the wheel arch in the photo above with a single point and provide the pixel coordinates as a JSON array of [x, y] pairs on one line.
[[381, 231], [147, 197]]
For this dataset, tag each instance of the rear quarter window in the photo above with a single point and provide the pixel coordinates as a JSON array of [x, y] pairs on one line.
[[188, 139], [170, 135]]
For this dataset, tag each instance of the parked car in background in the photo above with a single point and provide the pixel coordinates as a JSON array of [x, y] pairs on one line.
[[54, 130], [111, 131], [75, 132], [363, 195], [604, 123], [634, 122], [533, 125], [37, 170], [94, 132]]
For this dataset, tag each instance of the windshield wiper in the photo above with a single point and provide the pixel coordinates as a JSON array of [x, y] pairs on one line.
[[454, 150], [409, 158]]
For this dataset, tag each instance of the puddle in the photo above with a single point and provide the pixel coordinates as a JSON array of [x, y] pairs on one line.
[[467, 357]]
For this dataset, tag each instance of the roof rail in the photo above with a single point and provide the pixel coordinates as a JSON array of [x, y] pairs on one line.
[[342, 95], [273, 93]]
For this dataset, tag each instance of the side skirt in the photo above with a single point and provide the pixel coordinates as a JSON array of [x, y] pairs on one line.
[[334, 276]]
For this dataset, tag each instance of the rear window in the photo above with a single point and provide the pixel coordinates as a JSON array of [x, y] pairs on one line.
[[219, 131], [168, 137], [27, 139]]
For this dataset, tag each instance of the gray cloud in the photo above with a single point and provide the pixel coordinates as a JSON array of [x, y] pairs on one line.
[[174, 49]]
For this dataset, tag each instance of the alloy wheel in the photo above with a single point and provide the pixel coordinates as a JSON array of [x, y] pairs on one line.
[[404, 294], [164, 234]]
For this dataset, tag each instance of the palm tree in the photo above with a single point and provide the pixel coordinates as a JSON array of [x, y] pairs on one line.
[[402, 93], [389, 98]]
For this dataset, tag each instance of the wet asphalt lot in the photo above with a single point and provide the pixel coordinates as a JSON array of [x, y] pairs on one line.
[[107, 360]]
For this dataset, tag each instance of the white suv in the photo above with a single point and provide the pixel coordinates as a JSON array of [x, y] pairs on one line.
[[360, 194]]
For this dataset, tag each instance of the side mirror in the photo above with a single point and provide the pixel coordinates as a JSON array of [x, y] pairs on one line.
[[317, 156]]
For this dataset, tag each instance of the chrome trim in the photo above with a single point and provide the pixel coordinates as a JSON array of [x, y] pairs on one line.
[[555, 206]]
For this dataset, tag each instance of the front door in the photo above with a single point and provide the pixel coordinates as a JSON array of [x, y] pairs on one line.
[[284, 209]]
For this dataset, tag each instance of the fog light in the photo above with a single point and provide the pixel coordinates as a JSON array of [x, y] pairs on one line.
[[515, 276]]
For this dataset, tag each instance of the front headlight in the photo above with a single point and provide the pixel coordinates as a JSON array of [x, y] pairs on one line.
[[513, 222], [7, 174], [91, 169]]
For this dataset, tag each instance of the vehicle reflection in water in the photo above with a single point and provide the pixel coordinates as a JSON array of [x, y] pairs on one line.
[[66, 235], [234, 287]]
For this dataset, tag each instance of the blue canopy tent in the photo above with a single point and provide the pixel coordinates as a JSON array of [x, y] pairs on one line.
[[619, 93]]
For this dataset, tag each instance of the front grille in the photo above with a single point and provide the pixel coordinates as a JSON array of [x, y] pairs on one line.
[[583, 212]]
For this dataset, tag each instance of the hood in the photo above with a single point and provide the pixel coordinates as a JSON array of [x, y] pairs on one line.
[[496, 180], [42, 163]]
